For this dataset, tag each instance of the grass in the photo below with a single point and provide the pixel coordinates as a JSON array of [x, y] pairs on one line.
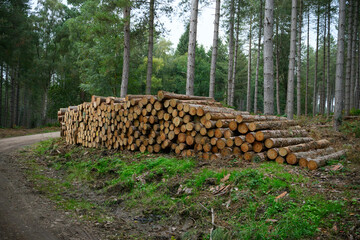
[[154, 186]]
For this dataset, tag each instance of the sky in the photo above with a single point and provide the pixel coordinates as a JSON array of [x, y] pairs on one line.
[[176, 26]]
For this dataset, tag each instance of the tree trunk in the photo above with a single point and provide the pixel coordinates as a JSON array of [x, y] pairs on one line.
[[348, 61], [298, 92], [190, 75], [12, 101], [322, 87], [1, 90], [248, 92], [323, 143], [258, 60], [339, 101], [290, 86], [316, 61], [235, 57], [255, 126], [6, 108], [265, 134], [307, 65], [282, 142], [277, 69], [268, 59], [17, 110], [150, 48], [214, 50], [321, 161], [328, 100], [231, 51], [353, 56], [126, 59], [45, 104]]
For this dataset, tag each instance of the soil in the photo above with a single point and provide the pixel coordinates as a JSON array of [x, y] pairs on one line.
[[25, 214], [14, 132]]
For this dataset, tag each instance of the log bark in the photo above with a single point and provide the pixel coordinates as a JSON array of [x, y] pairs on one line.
[[282, 142], [315, 163], [265, 134], [254, 126], [163, 95], [323, 143]]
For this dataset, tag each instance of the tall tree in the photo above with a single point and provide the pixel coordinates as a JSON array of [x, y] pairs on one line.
[[258, 59], [235, 56], [126, 57], [290, 87], [353, 56], [348, 59], [307, 63], [1, 91], [328, 100], [214, 50], [150, 47], [231, 51], [277, 68], [298, 91], [190, 76], [339, 67], [268, 58], [248, 92], [316, 60], [322, 86]]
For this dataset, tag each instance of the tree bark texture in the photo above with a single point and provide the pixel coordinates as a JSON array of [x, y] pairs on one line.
[[190, 75], [316, 61], [277, 69], [248, 92], [126, 58], [298, 75], [307, 64], [268, 59], [353, 56], [232, 97], [258, 60], [329, 99], [1, 90], [214, 50], [339, 66], [150, 47], [348, 60], [291, 76], [231, 51], [322, 84]]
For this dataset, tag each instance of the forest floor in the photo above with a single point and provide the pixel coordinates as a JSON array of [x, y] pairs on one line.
[[20, 131], [99, 194]]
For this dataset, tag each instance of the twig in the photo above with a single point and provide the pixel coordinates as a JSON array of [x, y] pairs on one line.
[[212, 222]]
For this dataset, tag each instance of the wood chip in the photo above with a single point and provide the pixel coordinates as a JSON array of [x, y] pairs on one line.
[[271, 220], [224, 179], [281, 195]]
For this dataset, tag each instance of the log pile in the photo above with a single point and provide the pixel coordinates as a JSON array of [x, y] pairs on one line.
[[190, 126]]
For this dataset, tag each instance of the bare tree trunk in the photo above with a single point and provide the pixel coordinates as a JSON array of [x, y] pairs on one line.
[[277, 68], [6, 108], [214, 50], [322, 88], [298, 99], [12, 102], [316, 61], [348, 61], [150, 48], [307, 65], [17, 112], [339, 67], [290, 86], [1, 90], [353, 56], [190, 76], [126, 59], [268, 59], [45, 105], [258, 60], [231, 50], [328, 64], [235, 57], [248, 92], [357, 87]]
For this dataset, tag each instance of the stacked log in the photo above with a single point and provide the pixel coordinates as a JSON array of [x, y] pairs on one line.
[[190, 126]]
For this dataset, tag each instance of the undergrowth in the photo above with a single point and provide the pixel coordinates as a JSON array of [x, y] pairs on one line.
[[171, 189]]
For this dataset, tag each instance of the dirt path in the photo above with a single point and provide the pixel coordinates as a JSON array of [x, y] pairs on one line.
[[24, 213]]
